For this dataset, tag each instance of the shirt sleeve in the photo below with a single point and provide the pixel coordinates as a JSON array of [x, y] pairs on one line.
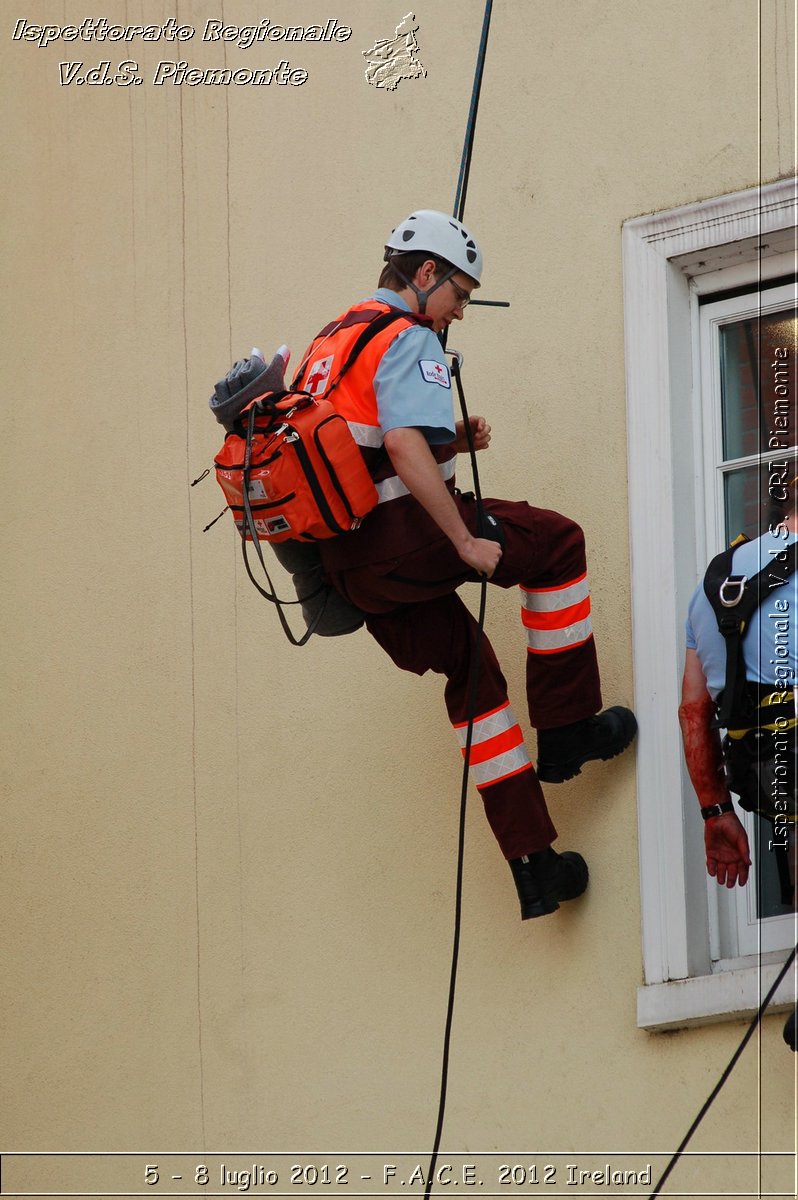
[[689, 632], [413, 386]]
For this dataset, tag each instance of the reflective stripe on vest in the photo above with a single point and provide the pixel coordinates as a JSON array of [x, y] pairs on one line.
[[366, 435], [497, 746], [392, 488], [557, 618]]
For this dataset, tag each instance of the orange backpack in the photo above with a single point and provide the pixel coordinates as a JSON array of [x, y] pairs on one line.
[[290, 469], [292, 475], [295, 473]]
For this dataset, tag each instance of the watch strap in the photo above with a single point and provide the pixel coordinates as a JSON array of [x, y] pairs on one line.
[[717, 810]]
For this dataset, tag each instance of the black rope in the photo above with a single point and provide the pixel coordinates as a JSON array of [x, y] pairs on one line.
[[749, 1033], [459, 210], [473, 683], [471, 124], [458, 903]]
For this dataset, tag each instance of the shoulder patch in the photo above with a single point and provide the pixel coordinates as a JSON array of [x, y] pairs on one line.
[[434, 372]]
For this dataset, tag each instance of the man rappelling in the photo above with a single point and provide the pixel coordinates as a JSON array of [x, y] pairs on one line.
[[403, 565]]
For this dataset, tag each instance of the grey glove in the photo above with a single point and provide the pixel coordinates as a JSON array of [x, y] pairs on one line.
[[246, 380]]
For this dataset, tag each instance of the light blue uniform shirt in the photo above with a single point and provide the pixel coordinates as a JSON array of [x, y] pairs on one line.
[[770, 646], [413, 385]]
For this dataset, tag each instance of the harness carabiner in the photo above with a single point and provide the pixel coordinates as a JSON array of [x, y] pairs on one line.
[[737, 582]]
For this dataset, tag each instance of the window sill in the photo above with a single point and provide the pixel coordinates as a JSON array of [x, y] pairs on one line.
[[733, 995]]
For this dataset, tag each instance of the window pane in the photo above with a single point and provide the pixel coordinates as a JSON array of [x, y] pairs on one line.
[[758, 375], [743, 490]]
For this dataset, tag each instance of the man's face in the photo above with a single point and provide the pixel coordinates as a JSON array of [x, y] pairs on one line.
[[447, 302]]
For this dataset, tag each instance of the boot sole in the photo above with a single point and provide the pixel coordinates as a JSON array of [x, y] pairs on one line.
[[540, 908]]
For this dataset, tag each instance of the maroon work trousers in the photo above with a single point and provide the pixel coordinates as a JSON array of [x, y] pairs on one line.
[[415, 614]]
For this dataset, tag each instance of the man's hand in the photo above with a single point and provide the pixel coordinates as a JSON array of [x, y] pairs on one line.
[[481, 554], [480, 433], [728, 853]]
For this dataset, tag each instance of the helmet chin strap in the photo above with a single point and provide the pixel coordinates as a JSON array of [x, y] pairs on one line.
[[424, 296]]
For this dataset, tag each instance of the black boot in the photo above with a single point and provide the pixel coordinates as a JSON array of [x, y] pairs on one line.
[[791, 1029], [563, 752], [545, 878]]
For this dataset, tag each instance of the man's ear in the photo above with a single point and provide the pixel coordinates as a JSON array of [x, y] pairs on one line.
[[426, 273]]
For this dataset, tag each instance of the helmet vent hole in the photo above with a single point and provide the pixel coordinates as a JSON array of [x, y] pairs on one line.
[[408, 234]]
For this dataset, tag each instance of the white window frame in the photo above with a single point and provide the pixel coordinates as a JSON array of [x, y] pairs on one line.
[[669, 259]]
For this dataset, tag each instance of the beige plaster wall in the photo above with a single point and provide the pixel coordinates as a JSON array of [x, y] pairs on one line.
[[230, 864]]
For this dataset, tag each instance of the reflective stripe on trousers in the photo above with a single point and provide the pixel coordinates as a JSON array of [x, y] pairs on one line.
[[497, 746], [557, 618]]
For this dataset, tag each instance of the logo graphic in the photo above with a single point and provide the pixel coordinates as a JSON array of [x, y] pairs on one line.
[[390, 60], [277, 525], [318, 375], [434, 372], [269, 526]]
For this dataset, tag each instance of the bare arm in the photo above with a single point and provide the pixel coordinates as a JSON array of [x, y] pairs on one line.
[[725, 839], [418, 471]]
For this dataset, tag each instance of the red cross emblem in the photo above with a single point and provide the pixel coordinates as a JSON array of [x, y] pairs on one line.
[[318, 376]]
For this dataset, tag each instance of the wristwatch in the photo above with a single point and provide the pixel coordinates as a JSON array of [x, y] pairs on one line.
[[717, 810]]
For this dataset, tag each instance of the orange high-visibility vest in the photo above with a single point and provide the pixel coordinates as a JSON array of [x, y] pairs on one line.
[[398, 522]]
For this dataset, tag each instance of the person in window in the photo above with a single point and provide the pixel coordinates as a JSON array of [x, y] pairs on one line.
[[757, 763], [403, 565]]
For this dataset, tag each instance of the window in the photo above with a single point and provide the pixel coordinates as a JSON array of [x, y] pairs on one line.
[[747, 390], [693, 476]]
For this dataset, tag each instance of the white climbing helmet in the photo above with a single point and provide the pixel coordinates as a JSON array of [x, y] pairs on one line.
[[441, 235]]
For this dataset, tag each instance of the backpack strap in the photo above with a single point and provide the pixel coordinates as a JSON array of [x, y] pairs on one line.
[[249, 519], [734, 600]]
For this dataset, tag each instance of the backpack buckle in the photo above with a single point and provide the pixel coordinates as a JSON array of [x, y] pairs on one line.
[[731, 590]]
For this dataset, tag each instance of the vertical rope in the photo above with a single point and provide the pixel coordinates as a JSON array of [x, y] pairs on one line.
[[459, 210], [471, 124]]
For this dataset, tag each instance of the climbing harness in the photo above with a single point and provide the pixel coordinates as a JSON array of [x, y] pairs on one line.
[[734, 600], [759, 745]]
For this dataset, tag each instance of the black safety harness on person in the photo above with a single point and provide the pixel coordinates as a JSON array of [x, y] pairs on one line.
[[759, 750], [734, 600]]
